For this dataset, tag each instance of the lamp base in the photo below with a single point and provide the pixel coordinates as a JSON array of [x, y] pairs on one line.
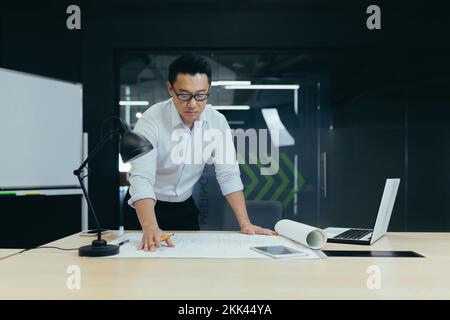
[[98, 248]]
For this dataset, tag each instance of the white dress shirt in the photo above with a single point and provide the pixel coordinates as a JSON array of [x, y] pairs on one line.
[[158, 176]]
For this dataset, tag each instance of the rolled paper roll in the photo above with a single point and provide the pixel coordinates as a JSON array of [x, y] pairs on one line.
[[304, 234]]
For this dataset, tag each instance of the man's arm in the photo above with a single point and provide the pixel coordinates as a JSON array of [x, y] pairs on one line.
[[142, 180], [237, 204], [228, 176], [145, 209], [236, 201]]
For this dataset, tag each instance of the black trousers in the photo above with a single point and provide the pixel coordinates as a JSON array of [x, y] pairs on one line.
[[170, 215], [177, 215]]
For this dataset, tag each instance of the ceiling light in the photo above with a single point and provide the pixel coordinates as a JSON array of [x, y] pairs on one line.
[[230, 83], [265, 86], [231, 107], [134, 103]]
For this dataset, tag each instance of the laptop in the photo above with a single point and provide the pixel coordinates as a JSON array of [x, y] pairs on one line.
[[369, 236]]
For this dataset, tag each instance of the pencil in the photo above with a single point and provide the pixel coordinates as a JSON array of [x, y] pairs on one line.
[[167, 236]]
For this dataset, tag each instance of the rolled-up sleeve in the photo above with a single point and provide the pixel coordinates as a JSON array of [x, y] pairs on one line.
[[143, 169], [227, 173]]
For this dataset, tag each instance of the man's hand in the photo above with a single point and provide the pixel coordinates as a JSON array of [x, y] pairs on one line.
[[236, 201], [252, 229], [151, 239]]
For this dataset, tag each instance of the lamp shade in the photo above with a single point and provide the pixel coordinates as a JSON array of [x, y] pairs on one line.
[[133, 145]]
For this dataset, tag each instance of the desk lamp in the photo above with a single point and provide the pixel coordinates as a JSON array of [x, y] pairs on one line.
[[132, 145]]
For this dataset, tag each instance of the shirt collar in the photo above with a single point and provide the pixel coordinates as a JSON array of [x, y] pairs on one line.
[[176, 118]]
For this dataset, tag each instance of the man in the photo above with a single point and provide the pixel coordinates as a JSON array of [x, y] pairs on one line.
[[160, 186]]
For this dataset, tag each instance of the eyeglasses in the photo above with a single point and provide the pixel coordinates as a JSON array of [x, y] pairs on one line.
[[189, 96]]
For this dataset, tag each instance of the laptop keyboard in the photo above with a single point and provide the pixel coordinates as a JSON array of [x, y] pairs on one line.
[[353, 234]]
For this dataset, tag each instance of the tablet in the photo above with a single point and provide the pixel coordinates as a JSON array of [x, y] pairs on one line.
[[279, 251]]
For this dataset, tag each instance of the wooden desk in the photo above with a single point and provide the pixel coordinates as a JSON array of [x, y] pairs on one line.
[[7, 252], [42, 274]]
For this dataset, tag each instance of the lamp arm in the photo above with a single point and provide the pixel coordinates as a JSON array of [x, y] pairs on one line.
[[90, 205], [96, 149], [78, 172]]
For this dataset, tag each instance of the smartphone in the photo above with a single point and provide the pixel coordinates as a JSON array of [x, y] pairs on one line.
[[93, 232], [279, 252]]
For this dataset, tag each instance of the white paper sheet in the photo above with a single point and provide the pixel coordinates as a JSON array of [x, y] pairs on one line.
[[209, 245]]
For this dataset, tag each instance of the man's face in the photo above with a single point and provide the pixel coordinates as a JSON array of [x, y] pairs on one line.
[[185, 85]]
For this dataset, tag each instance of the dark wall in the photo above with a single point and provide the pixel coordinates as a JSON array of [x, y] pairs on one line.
[[36, 220], [34, 39]]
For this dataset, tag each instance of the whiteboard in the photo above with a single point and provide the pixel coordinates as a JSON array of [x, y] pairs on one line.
[[40, 131]]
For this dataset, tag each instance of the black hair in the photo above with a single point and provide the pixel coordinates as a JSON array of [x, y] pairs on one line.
[[189, 64]]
